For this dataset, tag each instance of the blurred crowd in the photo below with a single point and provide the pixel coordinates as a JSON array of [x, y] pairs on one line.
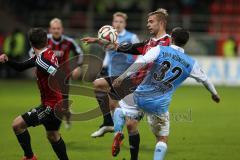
[[219, 20]]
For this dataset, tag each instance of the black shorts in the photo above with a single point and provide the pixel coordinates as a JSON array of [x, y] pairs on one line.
[[42, 115], [127, 87]]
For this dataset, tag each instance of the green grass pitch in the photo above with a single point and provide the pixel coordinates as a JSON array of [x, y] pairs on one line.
[[200, 129]]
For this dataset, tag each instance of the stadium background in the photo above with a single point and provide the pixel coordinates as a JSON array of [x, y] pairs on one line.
[[200, 129]]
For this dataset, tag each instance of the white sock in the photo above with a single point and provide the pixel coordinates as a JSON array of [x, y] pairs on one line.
[[160, 151]]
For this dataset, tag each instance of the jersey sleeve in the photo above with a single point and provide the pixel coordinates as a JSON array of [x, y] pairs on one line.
[[77, 50], [21, 66], [142, 61], [47, 63], [198, 74], [130, 48], [150, 56]]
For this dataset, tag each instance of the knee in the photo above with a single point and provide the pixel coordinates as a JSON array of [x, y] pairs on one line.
[[112, 104], [131, 127], [18, 125], [53, 136], [97, 83], [162, 139]]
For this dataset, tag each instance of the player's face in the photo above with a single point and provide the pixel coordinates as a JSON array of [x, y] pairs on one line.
[[56, 30], [154, 25], [119, 23]]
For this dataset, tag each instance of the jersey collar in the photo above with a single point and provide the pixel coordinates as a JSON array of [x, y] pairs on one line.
[[43, 51], [56, 42], [156, 39], [177, 48]]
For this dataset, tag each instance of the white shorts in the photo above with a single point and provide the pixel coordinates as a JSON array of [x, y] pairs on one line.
[[160, 124], [130, 109]]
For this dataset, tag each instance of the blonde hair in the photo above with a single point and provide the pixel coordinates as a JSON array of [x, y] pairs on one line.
[[55, 20], [161, 15], [120, 14]]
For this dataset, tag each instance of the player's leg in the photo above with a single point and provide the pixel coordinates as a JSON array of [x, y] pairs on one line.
[[58, 144], [134, 137], [101, 90], [119, 122], [52, 126], [20, 129], [160, 127], [20, 125], [102, 87], [66, 107], [130, 116], [160, 148]]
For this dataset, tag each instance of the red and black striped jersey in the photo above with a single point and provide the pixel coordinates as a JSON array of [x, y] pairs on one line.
[[46, 64], [141, 49], [62, 48]]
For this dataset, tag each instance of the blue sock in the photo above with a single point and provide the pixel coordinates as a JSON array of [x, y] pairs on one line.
[[119, 120], [160, 151]]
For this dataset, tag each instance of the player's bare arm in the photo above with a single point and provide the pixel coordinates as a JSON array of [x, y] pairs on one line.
[[90, 40]]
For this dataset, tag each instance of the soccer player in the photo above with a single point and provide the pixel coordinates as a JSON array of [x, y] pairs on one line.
[[46, 64], [61, 46], [117, 63], [127, 113], [156, 24], [170, 67]]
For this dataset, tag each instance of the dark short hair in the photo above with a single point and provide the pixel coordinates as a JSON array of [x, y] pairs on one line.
[[180, 36], [37, 37]]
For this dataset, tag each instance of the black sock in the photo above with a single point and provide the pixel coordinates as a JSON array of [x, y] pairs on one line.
[[60, 149], [24, 140], [103, 101], [134, 141], [108, 121]]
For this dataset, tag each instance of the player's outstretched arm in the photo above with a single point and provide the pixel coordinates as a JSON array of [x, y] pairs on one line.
[[129, 48], [16, 65], [149, 57], [198, 74], [90, 40]]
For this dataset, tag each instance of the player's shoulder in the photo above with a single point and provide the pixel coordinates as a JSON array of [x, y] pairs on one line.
[[68, 38], [48, 54], [130, 33]]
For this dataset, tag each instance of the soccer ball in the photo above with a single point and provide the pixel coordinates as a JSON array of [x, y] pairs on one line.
[[107, 34]]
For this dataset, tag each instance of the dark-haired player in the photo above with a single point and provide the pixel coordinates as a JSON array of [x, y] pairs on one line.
[[46, 64], [62, 45], [170, 67]]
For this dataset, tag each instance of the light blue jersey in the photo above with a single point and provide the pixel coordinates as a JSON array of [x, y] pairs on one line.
[[118, 62], [170, 68]]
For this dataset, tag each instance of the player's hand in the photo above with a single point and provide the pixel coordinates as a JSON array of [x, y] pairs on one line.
[[117, 82], [112, 46], [3, 58], [90, 40], [216, 98]]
